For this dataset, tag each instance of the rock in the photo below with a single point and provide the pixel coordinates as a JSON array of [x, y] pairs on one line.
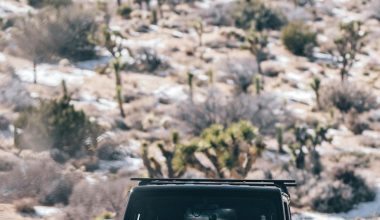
[[64, 63], [371, 134], [271, 68], [168, 94], [120, 123], [374, 116], [370, 138], [143, 28], [294, 79]]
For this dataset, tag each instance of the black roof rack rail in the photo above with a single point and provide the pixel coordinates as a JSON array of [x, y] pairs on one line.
[[282, 184]]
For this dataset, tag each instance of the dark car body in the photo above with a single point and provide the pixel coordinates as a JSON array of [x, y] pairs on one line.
[[203, 201]]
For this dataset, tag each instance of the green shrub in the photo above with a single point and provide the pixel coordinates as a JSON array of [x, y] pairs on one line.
[[35, 3], [298, 38], [53, 3], [124, 11], [56, 125], [256, 13]]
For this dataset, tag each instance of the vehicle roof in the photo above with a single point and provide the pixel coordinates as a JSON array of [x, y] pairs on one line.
[[236, 185], [194, 188]]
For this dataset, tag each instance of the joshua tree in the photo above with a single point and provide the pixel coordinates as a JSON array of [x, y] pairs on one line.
[[159, 7], [232, 151], [316, 86], [309, 138], [199, 28], [280, 138], [174, 167], [190, 77], [112, 42], [210, 75], [118, 66], [154, 18], [258, 85], [349, 45], [258, 42]]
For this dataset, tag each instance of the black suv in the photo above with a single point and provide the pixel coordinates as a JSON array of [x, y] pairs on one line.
[[209, 199]]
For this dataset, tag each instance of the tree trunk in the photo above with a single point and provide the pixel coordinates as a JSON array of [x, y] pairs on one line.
[[342, 74], [34, 72], [119, 92], [258, 61]]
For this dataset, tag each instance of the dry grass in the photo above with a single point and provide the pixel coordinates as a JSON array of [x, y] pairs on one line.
[[90, 200]]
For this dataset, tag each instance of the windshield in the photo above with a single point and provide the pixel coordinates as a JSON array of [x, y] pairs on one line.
[[201, 208]]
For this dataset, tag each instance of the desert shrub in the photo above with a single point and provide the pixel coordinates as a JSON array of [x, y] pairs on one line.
[[255, 13], [348, 97], [25, 206], [31, 179], [108, 150], [35, 3], [348, 189], [53, 3], [337, 190], [220, 14], [147, 59], [71, 32], [242, 73], [6, 163], [59, 191], [298, 38], [356, 123], [263, 111], [89, 164], [89, 200], [49, 35], [56, 124], [124, 11], [375, 7]]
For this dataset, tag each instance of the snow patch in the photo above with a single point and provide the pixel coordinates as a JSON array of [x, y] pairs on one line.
[[49, 75]]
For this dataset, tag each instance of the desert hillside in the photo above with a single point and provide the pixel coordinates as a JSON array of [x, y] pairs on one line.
[[94, 92]]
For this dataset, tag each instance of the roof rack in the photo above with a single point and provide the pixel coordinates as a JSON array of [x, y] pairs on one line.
[[282, 184]]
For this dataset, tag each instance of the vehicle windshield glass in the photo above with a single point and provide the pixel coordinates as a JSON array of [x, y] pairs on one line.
[[201, 208]]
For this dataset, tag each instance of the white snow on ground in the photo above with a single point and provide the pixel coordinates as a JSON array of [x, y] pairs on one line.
[[133, 164], [305, 97], [50, 76], [45, 211], [2, 58], [152, 43], [170, 93], [100, 103], [92, 64], [13, 8], [363, 210]]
